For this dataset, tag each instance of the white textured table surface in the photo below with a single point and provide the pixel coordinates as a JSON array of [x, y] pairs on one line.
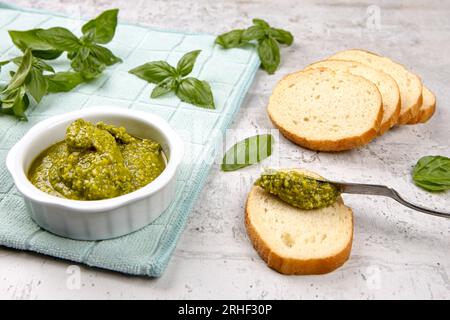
[[397, 253]]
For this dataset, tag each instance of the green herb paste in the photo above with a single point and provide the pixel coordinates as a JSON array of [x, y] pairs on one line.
[[96, 162], [299, 190]]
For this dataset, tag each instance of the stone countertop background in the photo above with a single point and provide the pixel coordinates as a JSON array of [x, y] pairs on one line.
[[397, 253]]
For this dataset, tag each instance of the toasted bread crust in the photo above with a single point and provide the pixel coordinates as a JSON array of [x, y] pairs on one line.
[[331, 145], [411, 113], [425, 112], [405, 115], [291, 266]]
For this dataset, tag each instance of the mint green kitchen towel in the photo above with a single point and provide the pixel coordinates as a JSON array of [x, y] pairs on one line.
[[147, 251]]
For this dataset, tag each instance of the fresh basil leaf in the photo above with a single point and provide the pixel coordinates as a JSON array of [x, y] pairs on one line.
[[63, 81], [267, 37], [104, 55], [36, 63], [89, 68], [164, 87], [261, 23], [3, 63], [282, 36], [269, 54], [16, 103], [42, 65], [37, 85], [22, 72], [186, 63], [84, 52], [29, 39], [232, 39], [47, 54], [102, 28], [59, 38], [154, 72], [253, 33], [196, 92], [432, 173], [247, 152]]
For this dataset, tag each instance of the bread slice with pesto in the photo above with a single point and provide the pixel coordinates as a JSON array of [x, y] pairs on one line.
[[293, 241], [409, 84], [324, 110], [385, 83], [427, 108]]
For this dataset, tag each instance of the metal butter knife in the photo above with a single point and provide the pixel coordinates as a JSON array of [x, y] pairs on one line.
[[380, 190]]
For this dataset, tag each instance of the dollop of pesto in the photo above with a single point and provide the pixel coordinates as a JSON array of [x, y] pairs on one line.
[[96, 161], [299, 190]]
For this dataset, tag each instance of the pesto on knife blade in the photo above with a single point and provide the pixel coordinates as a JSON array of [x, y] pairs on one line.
[[299, 190]]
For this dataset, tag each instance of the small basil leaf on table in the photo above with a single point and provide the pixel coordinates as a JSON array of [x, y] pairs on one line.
[[63, 81], [196, 92], [247, 152], [269, 54], [59, 38], [432, 173], [154, 72], [186, 63], [232, 39], [164, 87], [102, 28]]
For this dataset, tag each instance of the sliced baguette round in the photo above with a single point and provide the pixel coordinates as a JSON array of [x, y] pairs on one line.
[[428, 107], [295, 241], [385, 83], [409, 84], [324, 110]]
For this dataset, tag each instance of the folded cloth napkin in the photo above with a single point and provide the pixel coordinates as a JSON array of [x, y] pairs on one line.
[[147, 251]]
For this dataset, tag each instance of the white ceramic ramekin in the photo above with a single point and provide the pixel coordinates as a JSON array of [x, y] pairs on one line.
[[100, 219]]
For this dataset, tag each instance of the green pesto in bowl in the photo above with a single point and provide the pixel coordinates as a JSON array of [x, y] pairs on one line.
[[95, 162]]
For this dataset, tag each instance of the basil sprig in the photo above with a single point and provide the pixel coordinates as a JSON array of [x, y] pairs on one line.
[[168, 78], [28, 80], [247, 152], [267, 40], [34, 78], [432, 173], [88, 57]]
